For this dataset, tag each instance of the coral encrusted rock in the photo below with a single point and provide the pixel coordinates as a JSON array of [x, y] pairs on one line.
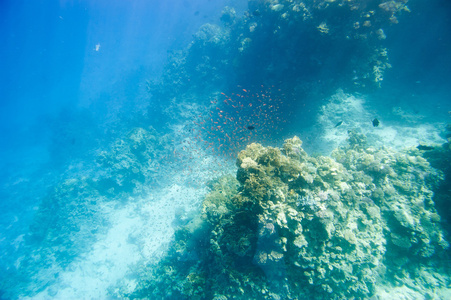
[[292, 225]]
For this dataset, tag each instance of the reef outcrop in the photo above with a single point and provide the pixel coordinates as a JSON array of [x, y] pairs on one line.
[[294, 225]]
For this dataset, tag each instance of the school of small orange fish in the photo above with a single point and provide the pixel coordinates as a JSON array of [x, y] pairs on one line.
[[240, 119], [230, 124]]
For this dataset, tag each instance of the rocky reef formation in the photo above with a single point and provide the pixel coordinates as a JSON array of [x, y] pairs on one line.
[[293, 44], [75, 210], [129, 163], [440, 158], [293, 225]]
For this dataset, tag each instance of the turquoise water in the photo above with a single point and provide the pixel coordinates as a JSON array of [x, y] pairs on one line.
[[225, 149]]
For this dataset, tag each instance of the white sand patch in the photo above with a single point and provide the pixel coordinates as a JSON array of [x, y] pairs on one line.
[[352, 113], [401, 137], [410, 293], [398, 293], [344, 108], [141, 229]]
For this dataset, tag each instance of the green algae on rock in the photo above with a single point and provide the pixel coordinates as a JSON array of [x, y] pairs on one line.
[[292, 226]]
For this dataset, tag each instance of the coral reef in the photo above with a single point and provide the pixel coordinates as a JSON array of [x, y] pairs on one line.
[[293, 225], [440, 158], [76, 209], [291, 41], [129, 162]]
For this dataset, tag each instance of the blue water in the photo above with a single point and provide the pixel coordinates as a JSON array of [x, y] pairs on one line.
[[78, 77]]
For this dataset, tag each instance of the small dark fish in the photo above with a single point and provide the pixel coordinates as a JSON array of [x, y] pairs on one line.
[[375, 122], [250, 127], [424, 148], [338, 124], [256, 13]]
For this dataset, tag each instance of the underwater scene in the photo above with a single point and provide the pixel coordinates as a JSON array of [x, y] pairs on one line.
[[225, 149]]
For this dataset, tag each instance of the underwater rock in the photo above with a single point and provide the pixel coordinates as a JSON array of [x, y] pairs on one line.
[[269, 41], [293, 225], [128, 163]]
